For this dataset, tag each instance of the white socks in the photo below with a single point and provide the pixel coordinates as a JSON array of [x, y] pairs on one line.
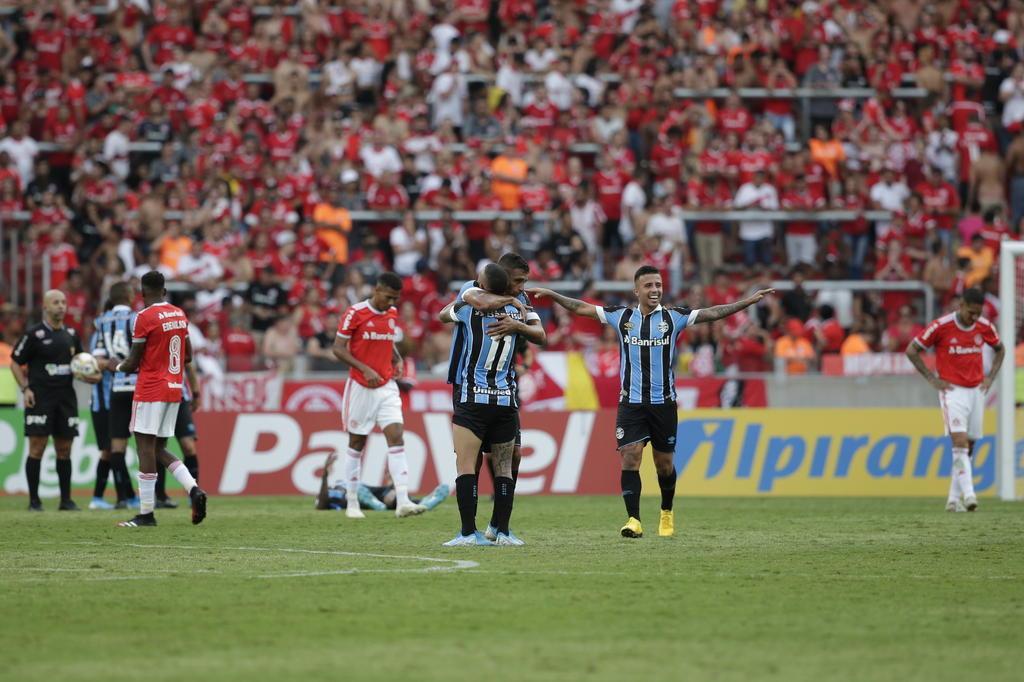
[[954, 489], [353, 463], [398, 467], [147, 493], [182, 475], [962, 473]]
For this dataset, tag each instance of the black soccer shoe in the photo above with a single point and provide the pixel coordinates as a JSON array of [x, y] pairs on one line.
[[139, 521], [166, 503], [68, 505], [35, 506], [198, 497]]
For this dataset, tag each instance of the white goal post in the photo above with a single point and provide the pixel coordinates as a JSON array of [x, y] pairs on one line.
[[1010, 253]]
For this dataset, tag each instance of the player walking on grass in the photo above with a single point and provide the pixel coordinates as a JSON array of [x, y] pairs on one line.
[[51, 407], [366, 342], [648, 335], [486, 408], [159, 353], [959, 339]]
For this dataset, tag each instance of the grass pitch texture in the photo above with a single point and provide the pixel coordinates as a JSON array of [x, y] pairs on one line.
[[268, 589]]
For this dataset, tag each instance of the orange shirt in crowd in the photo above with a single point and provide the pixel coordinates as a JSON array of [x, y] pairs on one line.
[[981, 264], [855, 344], [828, 154], [333, 226], [508, 192], [798, 353], [172, 249]]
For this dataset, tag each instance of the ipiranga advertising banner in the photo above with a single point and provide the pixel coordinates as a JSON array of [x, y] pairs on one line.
[[744, 452]]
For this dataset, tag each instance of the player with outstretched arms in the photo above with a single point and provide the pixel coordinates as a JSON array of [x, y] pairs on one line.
[[959, 339], [366, 342], [159, 353], [485, 403], [648, 336]]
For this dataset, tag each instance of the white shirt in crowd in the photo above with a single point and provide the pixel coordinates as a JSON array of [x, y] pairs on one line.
[[423, 148], [633, 199], [380, 161], [338, 78], [1013, 107], [447, 95], [115, 151], [408, 249], [443, 35], [669, 228], [559, 90], [889, 197], [758, 197], [200, 269], [941, 152], [23, 153], [588, 220], [542, 60], [511, 81], [367, 72]]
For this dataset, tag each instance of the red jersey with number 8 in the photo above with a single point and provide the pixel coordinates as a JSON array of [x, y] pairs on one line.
[[958, 350], [373, 334], [164, 329]]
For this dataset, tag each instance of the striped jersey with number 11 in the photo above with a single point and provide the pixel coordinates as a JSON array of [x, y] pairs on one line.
[[164, 329], [647, 351]]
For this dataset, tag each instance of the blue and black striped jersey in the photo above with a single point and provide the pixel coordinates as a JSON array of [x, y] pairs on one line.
[[647, 351], [482, 367], [114, 340]]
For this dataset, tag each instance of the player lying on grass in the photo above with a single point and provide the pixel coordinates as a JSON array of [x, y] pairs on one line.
[[518, 271], [377, 498], [958, 339], [485, 403], [648, 339]]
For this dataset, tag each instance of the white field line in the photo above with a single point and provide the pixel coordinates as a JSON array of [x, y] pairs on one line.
[[437, 564]]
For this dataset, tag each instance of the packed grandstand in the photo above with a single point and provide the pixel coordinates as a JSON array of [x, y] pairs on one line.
[[272, 158]]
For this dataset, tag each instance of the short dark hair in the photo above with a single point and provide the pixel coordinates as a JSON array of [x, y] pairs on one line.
[[120, 293], [826, 311], [495, 278], [974, 296], [389, 280], [645, 270], [513, 261], [153, 281]]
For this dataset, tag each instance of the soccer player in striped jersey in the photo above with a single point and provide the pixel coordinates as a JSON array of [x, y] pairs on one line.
[[99, 406], [486, 408], [648, 336]]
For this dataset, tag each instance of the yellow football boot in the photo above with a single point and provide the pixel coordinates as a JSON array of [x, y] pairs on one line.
[[667, 525], [632, 529]]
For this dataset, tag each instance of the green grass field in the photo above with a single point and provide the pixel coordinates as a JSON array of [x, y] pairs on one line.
[[268, 589]]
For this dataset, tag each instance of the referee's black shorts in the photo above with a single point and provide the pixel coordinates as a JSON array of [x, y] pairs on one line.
[[642, 423], [121, 414], [54, 414]]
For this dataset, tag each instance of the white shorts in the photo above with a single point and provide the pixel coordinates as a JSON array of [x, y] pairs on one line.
[[963, 410], [363, 408], [155, 419]]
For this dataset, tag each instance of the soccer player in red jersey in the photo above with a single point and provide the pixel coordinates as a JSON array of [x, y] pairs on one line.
[[366, 342], [160, 351], [958, 339]]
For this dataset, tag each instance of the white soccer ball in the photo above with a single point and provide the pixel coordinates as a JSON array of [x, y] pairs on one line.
[[84, 365]]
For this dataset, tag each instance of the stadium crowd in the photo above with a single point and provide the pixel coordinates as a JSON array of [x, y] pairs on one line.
[[234, 145]]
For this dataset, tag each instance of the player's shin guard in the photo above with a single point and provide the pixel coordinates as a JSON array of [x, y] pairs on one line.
[[102, 474], [32, 466], [466, 495], [147, 493], [962, 471], [182, 475], [353, 463], [631, 493], [398, 468], [64, 479], [192, 464], [668, 489], [504, 493]]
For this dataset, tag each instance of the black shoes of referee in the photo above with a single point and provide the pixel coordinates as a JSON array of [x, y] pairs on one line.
[[65, 505]]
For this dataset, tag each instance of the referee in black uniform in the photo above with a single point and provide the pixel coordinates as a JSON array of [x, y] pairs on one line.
[[51, 406]]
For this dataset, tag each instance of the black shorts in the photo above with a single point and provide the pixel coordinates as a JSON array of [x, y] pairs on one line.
[[101, 425], [55, 414], [642, 423], [485, 446], [184, 427], [121, 414], [489, 423]]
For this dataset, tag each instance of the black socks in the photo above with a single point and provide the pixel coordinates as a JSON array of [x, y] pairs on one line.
[[192, 464], [504, 492], [465, 494], [32, 474], [122, 479], [161, 482], [102, 474], [668, 489], [64, 478], [631, 493]]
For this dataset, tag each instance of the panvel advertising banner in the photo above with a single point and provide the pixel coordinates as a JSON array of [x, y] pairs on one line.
[[750, 452]]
